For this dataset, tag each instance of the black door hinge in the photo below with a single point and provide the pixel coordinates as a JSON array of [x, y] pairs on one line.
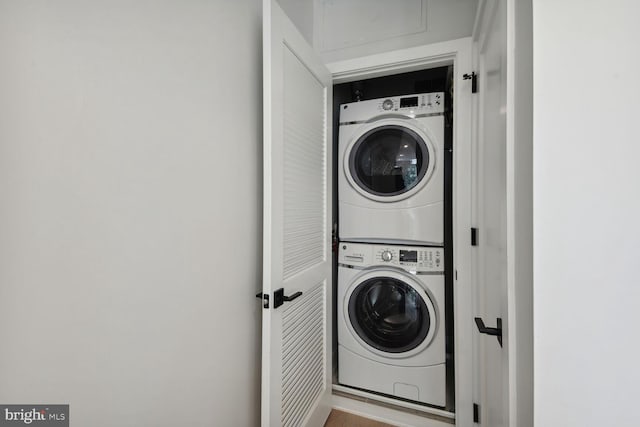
[[474, 81], [474, 236], [476, 413]]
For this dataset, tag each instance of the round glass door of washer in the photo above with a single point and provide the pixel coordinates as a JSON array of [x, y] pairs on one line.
[[391, 316]]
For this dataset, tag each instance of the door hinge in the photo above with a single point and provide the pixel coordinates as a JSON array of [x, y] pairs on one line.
[[264, 298], [476, 413], [474, 236], [474, 81]]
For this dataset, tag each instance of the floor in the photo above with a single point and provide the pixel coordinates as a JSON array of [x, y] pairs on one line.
[[344, 419]]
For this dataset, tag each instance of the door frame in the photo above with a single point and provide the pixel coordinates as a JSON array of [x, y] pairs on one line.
[[518, 328], [520, 210], [459, 54]]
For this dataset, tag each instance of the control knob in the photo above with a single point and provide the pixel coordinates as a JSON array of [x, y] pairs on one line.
[[387, 256], [387, 104]]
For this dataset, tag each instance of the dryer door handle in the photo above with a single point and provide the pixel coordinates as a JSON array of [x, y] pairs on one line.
[[497, 331]]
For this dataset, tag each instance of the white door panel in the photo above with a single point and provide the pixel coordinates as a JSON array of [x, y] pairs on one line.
[[296, 363], [491, 214]]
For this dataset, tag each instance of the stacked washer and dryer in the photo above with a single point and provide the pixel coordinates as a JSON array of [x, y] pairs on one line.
[[391, 282]]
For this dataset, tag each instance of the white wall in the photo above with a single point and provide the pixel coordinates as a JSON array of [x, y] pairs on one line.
[[300, 12], [586, 212], [349, 29], [130, 209]]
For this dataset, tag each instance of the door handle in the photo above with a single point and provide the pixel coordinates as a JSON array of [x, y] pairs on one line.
[[264, 298], [280, 298], [497, 331]]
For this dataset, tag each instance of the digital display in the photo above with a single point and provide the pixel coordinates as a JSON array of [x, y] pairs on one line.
[[408, 256], [409, 102]]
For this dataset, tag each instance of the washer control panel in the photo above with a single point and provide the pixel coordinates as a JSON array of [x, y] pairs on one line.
[[412, 258]]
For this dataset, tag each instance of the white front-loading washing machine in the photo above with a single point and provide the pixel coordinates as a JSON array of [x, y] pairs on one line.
[[391, 170], [390, 314]]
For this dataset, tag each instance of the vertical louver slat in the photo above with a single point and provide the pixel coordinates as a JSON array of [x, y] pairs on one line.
[[303, 355], [304, 169]]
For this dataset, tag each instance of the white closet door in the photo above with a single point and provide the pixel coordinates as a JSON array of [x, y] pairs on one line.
[[296, 331], [492, 372]]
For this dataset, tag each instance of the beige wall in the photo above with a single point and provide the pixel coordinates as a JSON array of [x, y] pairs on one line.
[[130, 209]]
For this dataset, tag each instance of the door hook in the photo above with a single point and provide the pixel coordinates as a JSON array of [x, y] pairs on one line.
[[497, 331]]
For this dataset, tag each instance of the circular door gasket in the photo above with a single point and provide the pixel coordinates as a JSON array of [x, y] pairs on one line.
[[389, 315], [390, 159]]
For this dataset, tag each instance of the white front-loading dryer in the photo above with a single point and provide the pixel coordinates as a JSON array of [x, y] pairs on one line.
[[391, 170], [390, 314]]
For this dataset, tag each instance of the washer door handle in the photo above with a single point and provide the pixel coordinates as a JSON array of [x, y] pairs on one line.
[[497, 331]]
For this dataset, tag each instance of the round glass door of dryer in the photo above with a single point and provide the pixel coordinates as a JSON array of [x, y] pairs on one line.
[[391, 315], [390, 161]]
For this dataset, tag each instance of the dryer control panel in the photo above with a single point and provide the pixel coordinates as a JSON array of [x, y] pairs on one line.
[[418, 105], [410, 258]]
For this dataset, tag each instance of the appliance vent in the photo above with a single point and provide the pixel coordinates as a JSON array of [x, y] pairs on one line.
[[304, 169], [303, 355]]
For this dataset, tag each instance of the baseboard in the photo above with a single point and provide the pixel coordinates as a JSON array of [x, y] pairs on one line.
[[376, 408]]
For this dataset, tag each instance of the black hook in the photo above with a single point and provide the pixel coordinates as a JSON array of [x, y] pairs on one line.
[[497, 331]]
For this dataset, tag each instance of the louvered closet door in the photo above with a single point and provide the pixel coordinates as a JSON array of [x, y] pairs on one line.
[[297, 233]]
